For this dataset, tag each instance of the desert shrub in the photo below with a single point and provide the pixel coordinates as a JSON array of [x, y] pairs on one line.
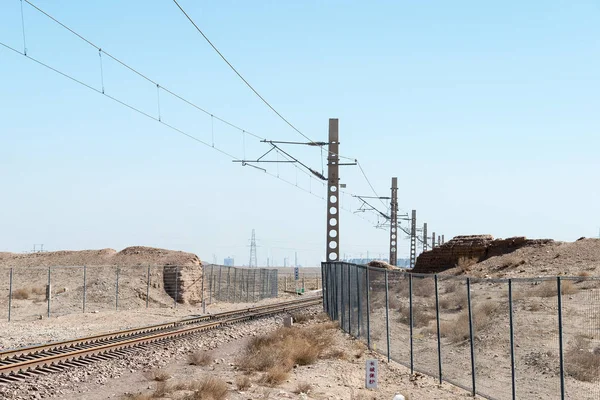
[[456, 301], [303, 387], [300, 317], [242, 382], [276, 353], [420, 318], [458, 330], [157, 375], [511, 261], [40, 291], [549, 289], [21, 294], [209, 388], [393, 302], [338, 354], [423, 287], [275, 375], [201, 358], [581, 363]]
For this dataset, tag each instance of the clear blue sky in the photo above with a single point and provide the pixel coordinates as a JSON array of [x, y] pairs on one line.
[[488, 113]]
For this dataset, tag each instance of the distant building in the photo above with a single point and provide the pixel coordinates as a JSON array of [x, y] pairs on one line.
[[228, 262]]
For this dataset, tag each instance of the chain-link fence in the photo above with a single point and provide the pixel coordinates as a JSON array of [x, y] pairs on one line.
[[525, 338], [37, 292], [235, 285]]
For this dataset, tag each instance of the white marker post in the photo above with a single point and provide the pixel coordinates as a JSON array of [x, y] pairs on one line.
[[371, 374]]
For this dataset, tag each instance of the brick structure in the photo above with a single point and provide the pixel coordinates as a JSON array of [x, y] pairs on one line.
[[473, 247]]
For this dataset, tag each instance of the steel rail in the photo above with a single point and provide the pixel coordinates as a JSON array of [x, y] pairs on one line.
[[81, 351]]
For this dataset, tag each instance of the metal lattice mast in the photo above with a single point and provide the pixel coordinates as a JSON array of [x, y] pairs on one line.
[[333, 189], [413, 239], [253, 262], [424, 236], [394, 223], [433, 240]]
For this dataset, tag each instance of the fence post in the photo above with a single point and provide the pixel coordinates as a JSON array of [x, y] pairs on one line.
[[84, 287], [117, 290], [234, 284], [356, 268], [471, 340], [387, 314], [410, 320], [202, 289], [228, 284], [348, 275], [148, 287], [343, 298], [560, 339], [10, 282], [49, 291], [437, 321], [254, 287], [512, 340], [368, 311], [210, 285], [220, 294], [176, 286]]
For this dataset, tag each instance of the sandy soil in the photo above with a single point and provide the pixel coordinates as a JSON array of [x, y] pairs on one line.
[[329, 379]]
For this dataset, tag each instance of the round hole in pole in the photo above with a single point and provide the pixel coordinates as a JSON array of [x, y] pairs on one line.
[[393, 230], [394, 237], [333, 256], [333, 198], [393, 249], [333, 245], [333, 221], [332, 233], [393, 242], [333, 188], [333, 210]]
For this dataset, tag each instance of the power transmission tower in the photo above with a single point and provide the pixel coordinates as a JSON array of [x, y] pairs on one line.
[[413, 239], [253, 262], [394, 223]]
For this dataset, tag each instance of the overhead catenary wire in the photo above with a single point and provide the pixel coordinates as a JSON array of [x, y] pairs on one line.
[[160, 87]]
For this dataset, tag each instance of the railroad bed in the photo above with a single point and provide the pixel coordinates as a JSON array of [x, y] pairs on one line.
[[19, 364]]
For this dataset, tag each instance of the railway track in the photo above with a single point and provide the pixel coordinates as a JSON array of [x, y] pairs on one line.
[[19, 364]]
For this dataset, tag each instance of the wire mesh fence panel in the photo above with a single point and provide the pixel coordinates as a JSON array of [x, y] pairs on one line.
[[454, 331], [29, 293], [354, 304], [581, 337], [362, 306], [491, 328], [101, 288], [424, 325], [377, 298], [399, 318], [66, 296], [4, 293], [536, 339]]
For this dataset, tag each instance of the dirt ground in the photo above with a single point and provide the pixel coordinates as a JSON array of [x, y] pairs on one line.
[[340, 378]]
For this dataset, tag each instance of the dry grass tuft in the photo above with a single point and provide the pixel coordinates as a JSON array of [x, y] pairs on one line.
[[21, 294], [458, 330], [276, 353], [275, 375], [456, 301], [581, 363], [303, 387], [337, 354], [423, 287], [393, 303], [549, 289], [157, 375], [201, 358], [300, 317], [420, 317], [40, 291], [242, 382], [209, 388]]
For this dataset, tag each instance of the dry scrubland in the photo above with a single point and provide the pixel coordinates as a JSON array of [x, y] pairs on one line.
[[311, 360], [535, 321]]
